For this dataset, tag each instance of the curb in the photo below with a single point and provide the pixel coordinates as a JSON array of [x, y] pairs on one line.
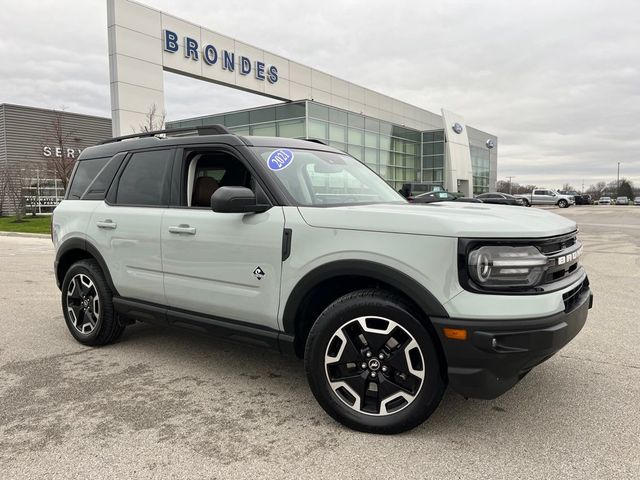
[[24, 235]]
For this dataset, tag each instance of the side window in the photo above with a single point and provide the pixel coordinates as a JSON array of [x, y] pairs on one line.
[[144, 180], [206, 171], [97, 189], [86, 171]]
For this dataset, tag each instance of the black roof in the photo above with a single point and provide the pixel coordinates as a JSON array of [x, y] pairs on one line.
[[167, 138]]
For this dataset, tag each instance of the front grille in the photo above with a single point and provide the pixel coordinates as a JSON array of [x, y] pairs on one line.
[[554, 245], [572, 297], [560, 251]]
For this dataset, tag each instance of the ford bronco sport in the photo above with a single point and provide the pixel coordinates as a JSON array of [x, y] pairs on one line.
[[295, 245]]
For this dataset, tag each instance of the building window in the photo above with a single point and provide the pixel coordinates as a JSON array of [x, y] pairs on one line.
[[480, 166], [291, 128], [317, 129], [433, 157], [264, 130]]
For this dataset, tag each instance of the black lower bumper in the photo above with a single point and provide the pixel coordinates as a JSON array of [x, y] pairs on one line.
[[498, 353]]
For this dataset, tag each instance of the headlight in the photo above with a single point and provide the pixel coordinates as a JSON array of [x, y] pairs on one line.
[[503, 266]]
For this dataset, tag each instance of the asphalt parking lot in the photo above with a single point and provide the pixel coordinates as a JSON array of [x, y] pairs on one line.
[[169, 404]]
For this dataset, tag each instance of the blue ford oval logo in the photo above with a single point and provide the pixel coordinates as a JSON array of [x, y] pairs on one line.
[[280, 159], [457, 127]]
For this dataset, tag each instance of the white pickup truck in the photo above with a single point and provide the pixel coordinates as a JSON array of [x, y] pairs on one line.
[[546, 196]]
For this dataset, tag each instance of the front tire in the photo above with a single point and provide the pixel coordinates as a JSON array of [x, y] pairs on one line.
[[563, 203], [372, 365], [526, 202], [87, 305]]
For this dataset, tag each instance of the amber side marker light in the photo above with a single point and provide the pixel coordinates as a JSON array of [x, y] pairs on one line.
[[455, 333]]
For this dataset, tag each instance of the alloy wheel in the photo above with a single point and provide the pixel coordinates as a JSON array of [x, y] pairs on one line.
[[374, 365], [83, 303]]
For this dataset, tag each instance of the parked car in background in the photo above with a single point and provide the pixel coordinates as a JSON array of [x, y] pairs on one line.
[[604, 201], [442, 196], [580, 198], [637, 201], [546, 196], [498, 198], [622, 200]]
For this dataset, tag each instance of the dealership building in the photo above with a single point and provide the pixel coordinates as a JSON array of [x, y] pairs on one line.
[[402, 142]]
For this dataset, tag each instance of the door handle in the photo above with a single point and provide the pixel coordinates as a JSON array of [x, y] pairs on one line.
[[182, 228], [108, 223]]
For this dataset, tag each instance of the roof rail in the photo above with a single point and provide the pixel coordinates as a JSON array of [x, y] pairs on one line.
[[205, 130], [314, 140]]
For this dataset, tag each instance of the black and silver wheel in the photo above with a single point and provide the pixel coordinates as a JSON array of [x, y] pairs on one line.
[[87, 305], [563, 203], [372, 365], [526, 202], [83, 303]]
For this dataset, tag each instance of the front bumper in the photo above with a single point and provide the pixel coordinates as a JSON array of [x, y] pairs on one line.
[[498, 353]]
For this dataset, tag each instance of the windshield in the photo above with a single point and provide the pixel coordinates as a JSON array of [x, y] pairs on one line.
[[315, 178]]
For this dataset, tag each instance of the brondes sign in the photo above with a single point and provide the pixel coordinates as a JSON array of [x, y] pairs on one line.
[[226, 59]]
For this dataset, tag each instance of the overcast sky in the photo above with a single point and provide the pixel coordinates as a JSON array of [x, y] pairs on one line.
[[557, 81]]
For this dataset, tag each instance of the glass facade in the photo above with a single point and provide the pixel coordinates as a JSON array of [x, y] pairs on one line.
[[480, 164], [390, 150], [285, 120], [433, 153], [398, 154]]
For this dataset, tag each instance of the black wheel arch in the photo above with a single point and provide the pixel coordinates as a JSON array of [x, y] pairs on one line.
[[74, 249], [351, 275]]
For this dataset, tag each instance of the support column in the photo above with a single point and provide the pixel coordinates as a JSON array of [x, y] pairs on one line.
[[458, 174], [135, 64]]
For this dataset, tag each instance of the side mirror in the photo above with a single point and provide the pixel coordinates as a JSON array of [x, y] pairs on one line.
[[236, 200]]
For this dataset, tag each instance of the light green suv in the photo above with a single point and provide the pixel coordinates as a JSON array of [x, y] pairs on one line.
[[294, 245]]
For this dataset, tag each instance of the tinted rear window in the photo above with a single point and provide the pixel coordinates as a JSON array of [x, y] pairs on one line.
[[86, 171], [144, 179]]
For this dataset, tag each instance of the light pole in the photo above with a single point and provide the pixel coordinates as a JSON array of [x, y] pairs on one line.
[[618, 192], [510, 177]]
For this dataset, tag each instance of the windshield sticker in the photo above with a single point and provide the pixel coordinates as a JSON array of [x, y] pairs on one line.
[[280, 159]]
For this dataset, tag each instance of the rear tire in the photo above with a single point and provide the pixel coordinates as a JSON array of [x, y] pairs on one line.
[[87, 305], [372, 365]]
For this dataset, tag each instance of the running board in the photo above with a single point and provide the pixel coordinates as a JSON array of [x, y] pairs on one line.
[[215, 326]]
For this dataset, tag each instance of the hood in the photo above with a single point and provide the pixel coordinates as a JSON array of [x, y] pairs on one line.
[[446, 219]]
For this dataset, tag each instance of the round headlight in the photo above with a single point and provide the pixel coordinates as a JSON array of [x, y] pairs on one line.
[[495, 266]]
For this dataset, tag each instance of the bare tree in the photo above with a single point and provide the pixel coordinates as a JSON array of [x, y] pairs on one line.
[[503, 186], [154, 120], [60, 163], [4, 179], [567, 187], [626, 188], [18, 177]]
